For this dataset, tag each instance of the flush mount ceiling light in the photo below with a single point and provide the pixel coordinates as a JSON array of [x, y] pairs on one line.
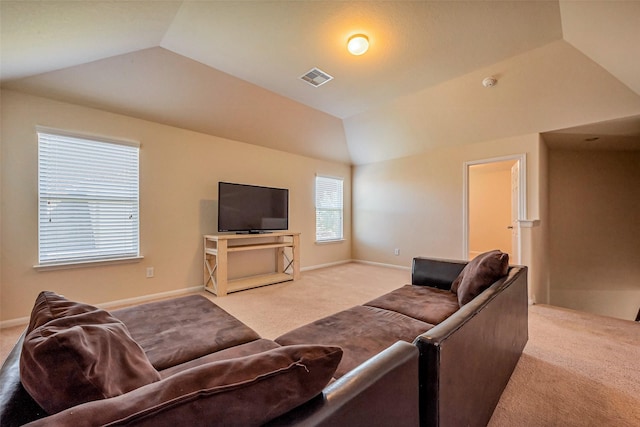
[[358, 44]]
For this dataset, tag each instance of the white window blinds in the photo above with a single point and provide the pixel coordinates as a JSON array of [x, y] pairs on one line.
[[329, 208], [88, 199]]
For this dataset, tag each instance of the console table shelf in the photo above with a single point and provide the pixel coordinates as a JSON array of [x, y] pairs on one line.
[[218, 246]]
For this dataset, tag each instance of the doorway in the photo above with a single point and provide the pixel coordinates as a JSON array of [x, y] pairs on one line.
[[494, 203]]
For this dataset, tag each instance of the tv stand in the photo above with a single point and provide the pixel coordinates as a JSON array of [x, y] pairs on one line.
[[218, 246]]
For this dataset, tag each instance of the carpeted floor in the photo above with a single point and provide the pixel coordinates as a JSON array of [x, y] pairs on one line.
[[577, 369]]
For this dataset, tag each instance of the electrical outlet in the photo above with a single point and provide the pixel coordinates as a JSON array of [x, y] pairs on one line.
[[149, 272], [396, 251]]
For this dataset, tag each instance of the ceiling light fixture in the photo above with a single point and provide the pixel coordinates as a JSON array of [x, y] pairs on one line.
[[358, 44]]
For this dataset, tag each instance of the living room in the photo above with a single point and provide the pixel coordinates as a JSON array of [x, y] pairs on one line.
[[401, 160], [180, 168]]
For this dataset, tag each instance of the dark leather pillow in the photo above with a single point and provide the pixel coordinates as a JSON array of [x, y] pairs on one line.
[[75, 353], [244, 391], [480, 273]]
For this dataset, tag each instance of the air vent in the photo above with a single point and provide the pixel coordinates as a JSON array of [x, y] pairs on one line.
[[316, 77]]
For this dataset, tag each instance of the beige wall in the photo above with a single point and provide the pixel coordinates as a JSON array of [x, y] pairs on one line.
[[179, 172], [416, 203], [595, 232]]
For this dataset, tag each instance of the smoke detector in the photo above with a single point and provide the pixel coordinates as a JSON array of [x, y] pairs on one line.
[[489, 81], [316, 77]]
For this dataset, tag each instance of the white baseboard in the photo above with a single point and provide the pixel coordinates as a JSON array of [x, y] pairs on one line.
[[331, 264], [146, 298], [14, 322], [381, 264], [359, 261], [118, 303]]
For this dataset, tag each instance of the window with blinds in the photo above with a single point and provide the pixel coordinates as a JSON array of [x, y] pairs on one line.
[[88, 199], [329, 208]]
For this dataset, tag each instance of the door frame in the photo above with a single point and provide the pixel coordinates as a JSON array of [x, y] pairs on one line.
[[521, 159]]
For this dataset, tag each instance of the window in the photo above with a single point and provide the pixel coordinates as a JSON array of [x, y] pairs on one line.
[[329, 212], [88, 199]]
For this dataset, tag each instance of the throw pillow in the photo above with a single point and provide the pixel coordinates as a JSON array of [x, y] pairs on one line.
[[244, 391], [479, 274], [74, 353]]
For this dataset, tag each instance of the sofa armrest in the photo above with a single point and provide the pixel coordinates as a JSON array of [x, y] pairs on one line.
[[17, 407], [437, 273], [381, 391], [467, 360]]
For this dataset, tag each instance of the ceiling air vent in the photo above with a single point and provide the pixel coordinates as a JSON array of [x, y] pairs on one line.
[[316, 77]]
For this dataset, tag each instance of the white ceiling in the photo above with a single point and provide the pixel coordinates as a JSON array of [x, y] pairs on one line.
[[232, 68]]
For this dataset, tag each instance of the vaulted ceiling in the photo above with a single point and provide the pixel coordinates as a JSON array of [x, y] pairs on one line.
[[232, 68]]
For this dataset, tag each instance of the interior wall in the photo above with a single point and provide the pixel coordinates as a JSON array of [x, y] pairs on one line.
[[415, 203], [179, 172], [489, 209], [595, 236], [541, 231]]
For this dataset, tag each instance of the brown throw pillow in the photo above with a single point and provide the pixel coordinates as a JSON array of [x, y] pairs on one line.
[[244, 391], [75, 353], [480, 273]]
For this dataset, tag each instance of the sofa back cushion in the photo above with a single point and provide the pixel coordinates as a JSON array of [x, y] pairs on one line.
[[425, 303], [75, 353], [480, 273], [244, 391]]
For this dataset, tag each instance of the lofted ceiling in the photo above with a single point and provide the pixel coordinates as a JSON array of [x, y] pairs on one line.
[[232, 68]]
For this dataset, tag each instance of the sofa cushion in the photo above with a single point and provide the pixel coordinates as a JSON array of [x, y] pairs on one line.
[[480, 273], [431, 305], [194, 328], [360, 331], [242, 350], [75, 353], [246, 391]]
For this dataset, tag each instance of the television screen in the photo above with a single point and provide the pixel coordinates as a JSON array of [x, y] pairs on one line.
[[252, 209]]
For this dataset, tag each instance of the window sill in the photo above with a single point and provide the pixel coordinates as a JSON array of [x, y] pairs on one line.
[[328, 242], [82, 264]]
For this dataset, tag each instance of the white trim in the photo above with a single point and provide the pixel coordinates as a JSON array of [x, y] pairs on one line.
[[330, 264], [328, 242], [118, 303], [83, 135], [522, 196], [81, 264], [147, 298], [321, 175], [381, 264], [357, 261], [529, 223], [14, 322]]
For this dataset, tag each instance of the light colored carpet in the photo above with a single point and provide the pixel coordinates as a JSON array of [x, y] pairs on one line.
[[577, 369], [273, 310]]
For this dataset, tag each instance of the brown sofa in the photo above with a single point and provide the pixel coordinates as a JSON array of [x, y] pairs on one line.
[[191, 363], [469, 341]]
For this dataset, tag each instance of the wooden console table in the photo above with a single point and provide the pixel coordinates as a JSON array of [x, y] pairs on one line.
[[218, 246]]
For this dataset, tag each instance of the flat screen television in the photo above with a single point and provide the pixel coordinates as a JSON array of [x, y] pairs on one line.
[[252, 209]]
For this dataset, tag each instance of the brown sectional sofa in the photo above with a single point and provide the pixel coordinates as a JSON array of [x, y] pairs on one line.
[[467, 353], [413, 356]]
